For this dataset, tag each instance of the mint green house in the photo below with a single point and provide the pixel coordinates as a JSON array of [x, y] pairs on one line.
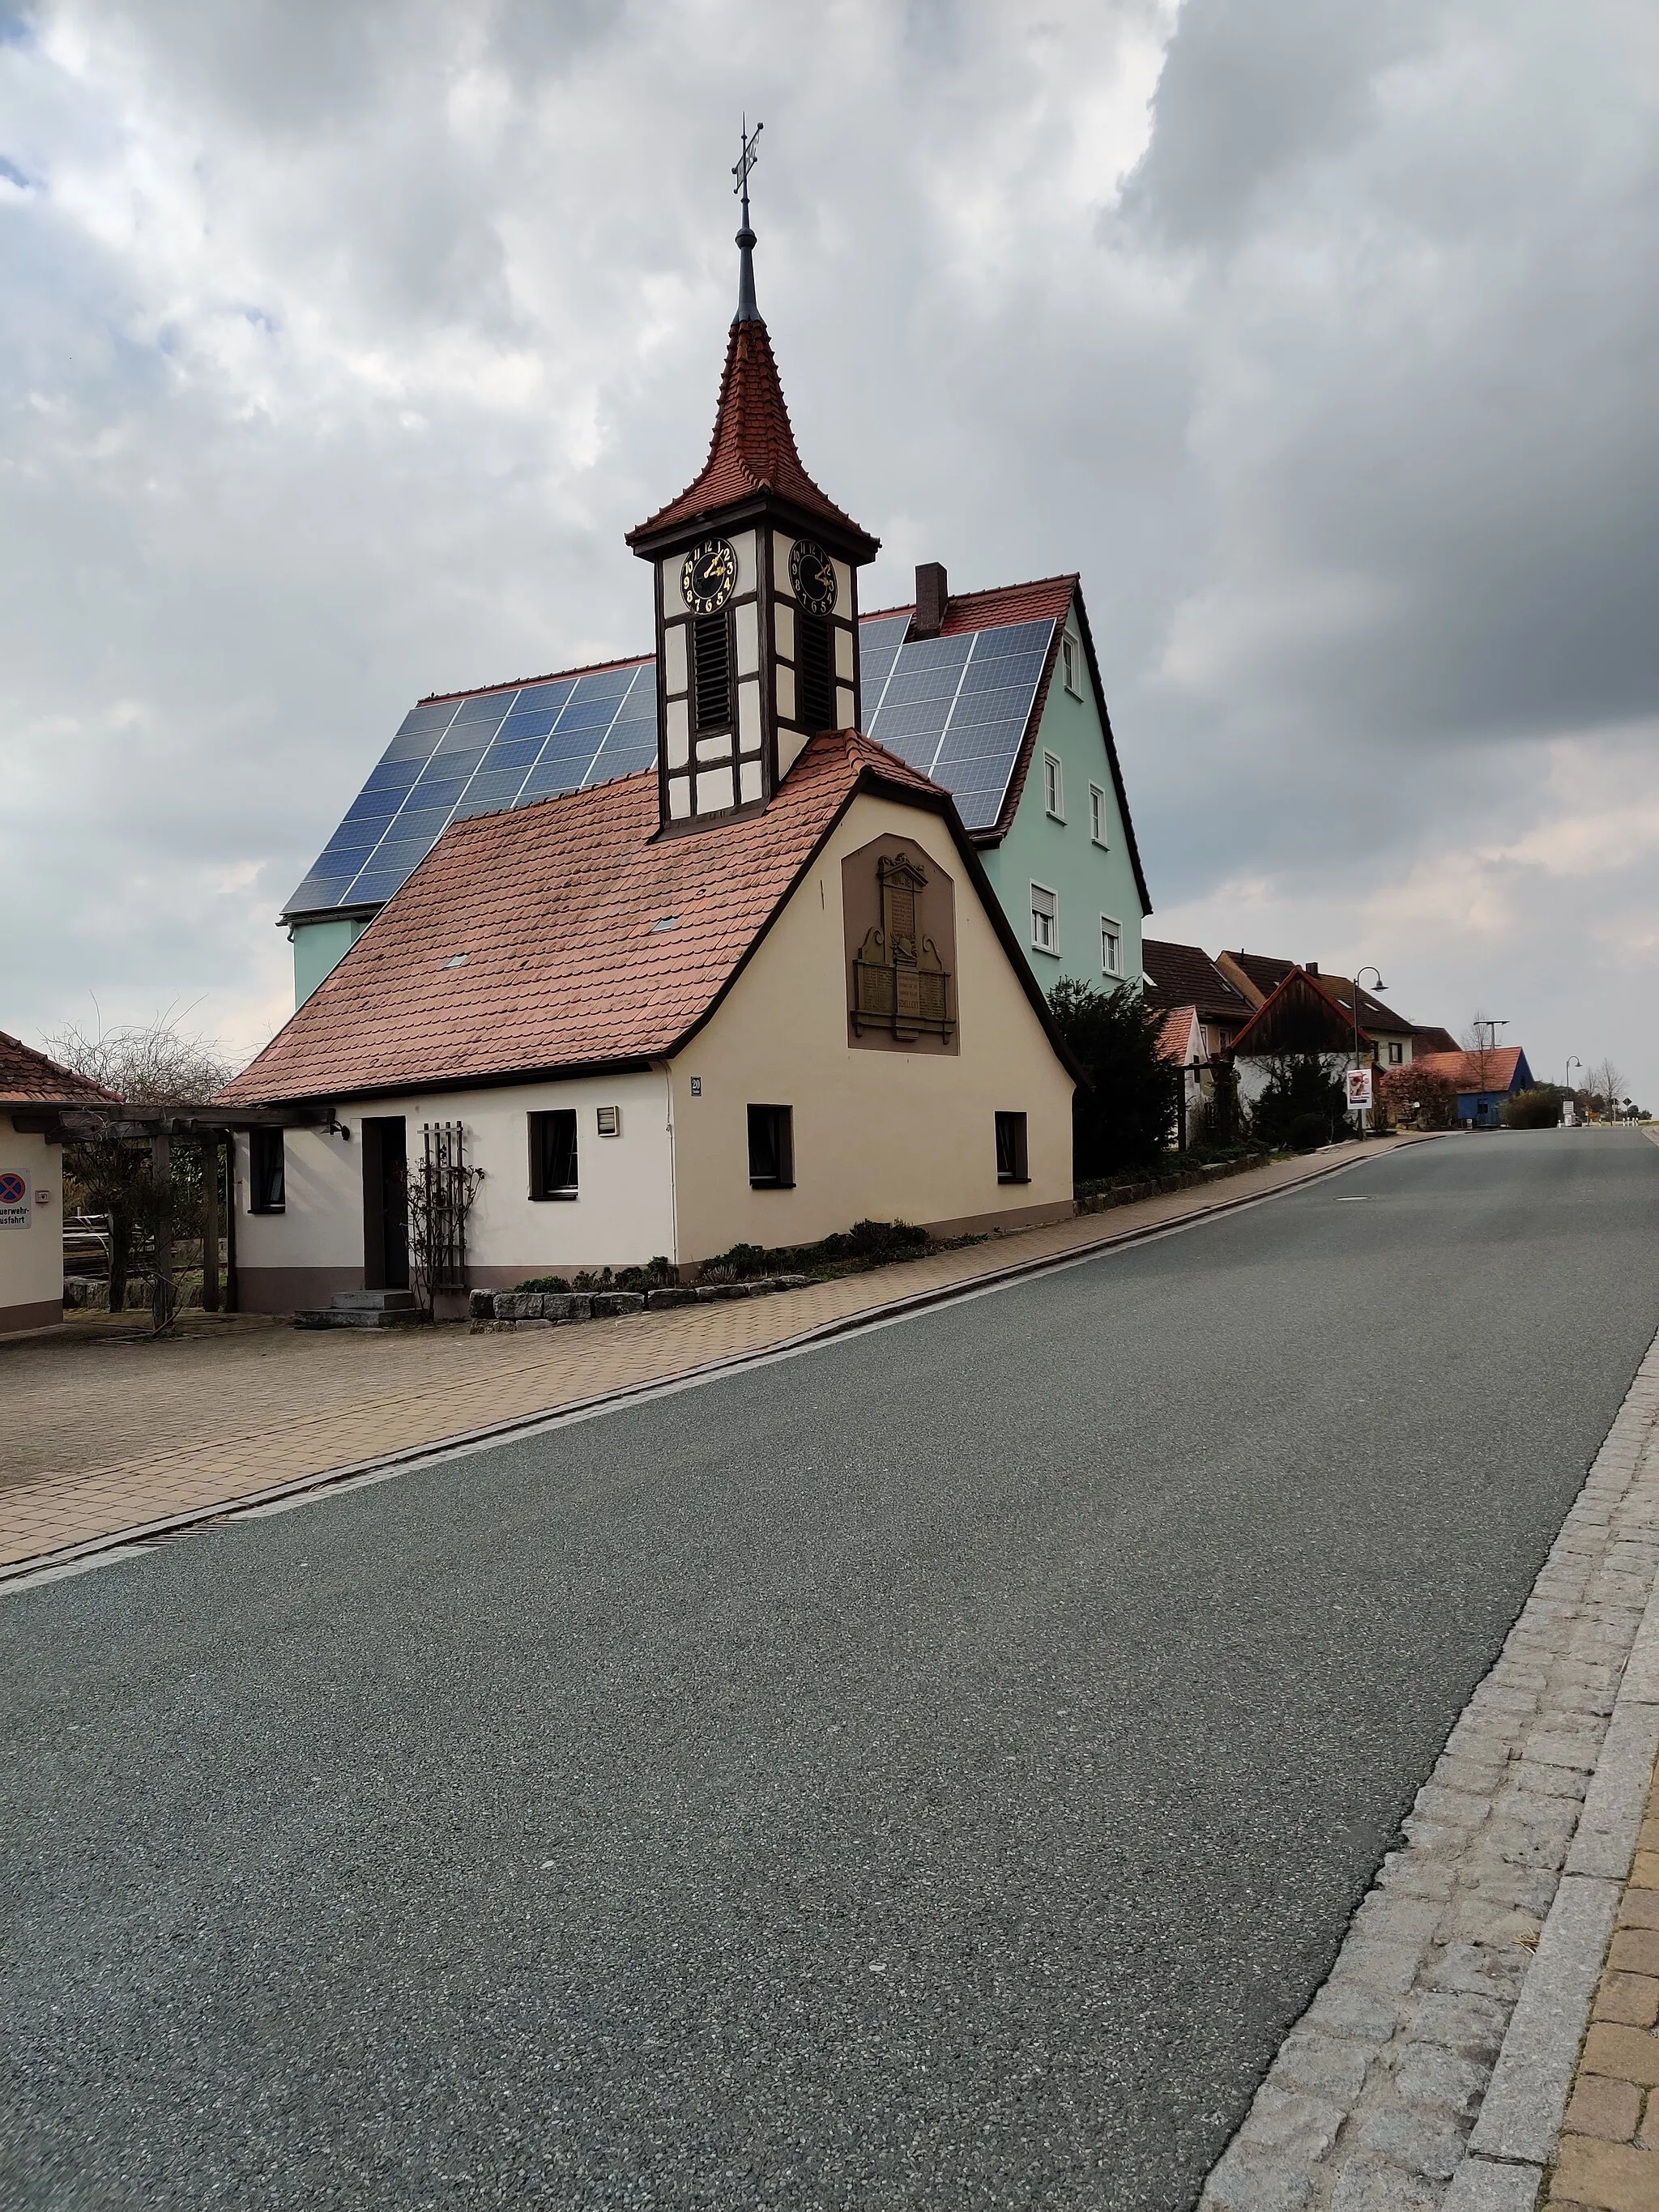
[[994, 695]]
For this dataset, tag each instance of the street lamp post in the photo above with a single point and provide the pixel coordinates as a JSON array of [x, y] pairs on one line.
[[1381, 986], [1573, 1061]]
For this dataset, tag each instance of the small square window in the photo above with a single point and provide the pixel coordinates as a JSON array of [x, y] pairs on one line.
[[772, 1148], [1397, 1054], [1011, 1149], [1098, 818], [1071, 662], [1111, 947], [267, 1172], [1045, 920], [553, 1153], [1054, 788]]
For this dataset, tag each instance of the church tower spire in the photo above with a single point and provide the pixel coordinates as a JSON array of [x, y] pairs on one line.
[[747, 310], [756, 588]]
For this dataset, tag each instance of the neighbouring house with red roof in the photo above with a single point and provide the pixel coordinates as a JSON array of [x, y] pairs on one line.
[[755, 989], [32, 1182], [1482, 1079], [1185, 975], [1299, 1019], [1257, 976], [1181, 1041]]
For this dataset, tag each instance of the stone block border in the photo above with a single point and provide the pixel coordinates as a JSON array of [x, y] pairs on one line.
[[1432, 2068], [507, 1310]]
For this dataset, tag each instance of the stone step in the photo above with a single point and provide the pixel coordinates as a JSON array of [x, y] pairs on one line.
[[360, 1317], [372, 1302]]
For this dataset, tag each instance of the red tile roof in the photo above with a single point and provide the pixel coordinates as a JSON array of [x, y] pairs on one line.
[[588, 938], [28, 1077], [1267, 972], [1494, 1070], [1184, 975], [1175, 1034], [1048, 600], [753, 447]]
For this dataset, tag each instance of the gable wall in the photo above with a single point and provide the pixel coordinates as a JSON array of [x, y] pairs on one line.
[[1089, 881], [878, 1135]]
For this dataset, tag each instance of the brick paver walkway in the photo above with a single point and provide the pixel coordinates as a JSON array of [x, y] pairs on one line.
[[1608, 2154], [116, 1435]]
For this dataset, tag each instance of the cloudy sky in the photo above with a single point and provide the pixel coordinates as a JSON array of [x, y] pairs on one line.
[[343, 342]]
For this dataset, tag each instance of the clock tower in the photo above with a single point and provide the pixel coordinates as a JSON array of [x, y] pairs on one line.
[[756, 588]]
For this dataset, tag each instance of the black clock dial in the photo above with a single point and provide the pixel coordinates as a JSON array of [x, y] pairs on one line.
[[812, 573], [709, 576]]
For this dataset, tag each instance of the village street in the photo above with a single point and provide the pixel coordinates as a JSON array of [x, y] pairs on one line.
[[934, 1768]]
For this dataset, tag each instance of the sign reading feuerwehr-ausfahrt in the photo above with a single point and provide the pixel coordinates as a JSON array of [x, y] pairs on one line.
[[15, 1212]]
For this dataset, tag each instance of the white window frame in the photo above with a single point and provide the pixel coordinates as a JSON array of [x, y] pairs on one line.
[[1097, 817], [1116, 929], [1071, 664], [1054, 788], [1051, 918]]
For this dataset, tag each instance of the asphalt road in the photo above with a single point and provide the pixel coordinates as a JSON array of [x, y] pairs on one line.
[[931, 1771]]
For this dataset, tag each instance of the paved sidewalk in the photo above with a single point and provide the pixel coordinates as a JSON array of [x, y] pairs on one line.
[[1433, 2067], [212, 1421], [1608, 2154]]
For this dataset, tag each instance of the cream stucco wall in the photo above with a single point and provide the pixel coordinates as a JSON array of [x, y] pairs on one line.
[[878, 1135], [624, 1215], [32, 1257]]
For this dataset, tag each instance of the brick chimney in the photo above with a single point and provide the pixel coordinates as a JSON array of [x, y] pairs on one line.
[[932, 597]]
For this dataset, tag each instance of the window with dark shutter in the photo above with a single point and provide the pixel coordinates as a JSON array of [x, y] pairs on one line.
[[553, 1153], [815, 689], [711, 654], [771, 1147], [1011, 1149], [267, 1172]]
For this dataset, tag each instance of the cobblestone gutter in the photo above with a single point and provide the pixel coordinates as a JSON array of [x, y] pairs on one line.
[[1484, 1934]]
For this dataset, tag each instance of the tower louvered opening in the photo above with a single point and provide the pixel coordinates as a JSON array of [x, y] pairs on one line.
[[815, 689], [711, 653]]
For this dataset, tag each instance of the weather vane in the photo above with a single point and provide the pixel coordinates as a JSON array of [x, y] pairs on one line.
[[747, 310], [741, 168]]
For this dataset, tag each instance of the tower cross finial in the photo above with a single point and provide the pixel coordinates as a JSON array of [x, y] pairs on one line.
[[747, 310]]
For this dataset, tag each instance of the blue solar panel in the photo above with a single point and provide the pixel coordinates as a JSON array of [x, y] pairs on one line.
[[956, 707], [489, 708]]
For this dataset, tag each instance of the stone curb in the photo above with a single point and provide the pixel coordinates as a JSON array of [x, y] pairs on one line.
[[1437, 2014], [1527, 2097], [44, 1565]]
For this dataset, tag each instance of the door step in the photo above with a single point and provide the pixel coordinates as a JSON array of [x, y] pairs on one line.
[[363, 1310]]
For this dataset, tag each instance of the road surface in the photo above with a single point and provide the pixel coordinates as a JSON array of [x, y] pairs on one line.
[[930, 1772]]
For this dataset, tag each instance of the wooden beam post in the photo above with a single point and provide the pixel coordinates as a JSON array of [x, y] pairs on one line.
[[209, 1225], [161, 1283]]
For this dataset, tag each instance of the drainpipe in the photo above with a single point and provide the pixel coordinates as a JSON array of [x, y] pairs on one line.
[[673, 1177]]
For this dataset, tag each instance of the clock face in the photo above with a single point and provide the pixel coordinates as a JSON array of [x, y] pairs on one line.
[[709, 576], [812, 573]]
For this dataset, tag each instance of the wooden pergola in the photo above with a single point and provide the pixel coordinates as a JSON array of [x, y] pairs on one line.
[[208, 1127]]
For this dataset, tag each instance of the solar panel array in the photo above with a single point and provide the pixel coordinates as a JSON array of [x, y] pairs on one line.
[[481, 756], [955, 707]]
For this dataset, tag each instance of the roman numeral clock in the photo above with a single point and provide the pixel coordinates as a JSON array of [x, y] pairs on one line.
[[756, 589]]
